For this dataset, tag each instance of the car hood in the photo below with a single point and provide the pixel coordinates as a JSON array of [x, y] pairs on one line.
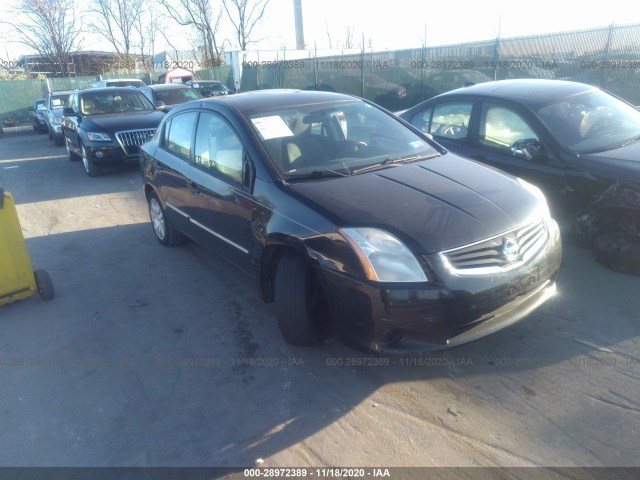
[[433, 205], [117, 122], [619, 165], [56, 112]]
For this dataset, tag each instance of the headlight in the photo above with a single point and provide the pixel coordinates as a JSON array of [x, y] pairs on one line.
[[383, 256], [543, 207], [98, 137]]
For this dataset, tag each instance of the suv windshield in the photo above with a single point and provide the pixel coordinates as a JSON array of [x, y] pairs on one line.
[[101, 103], [337, 138], [592, 121]]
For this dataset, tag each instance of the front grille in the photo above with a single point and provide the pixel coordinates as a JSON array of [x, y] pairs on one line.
[[499, 253], [131, 140]]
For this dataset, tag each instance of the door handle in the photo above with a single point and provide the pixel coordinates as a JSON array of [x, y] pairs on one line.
[[193, 188]]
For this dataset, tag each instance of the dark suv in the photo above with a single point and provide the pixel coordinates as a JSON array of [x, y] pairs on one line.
[[56, 101], [106, 126]]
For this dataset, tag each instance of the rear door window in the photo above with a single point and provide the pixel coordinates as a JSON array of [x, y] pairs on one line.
[[179, 134]]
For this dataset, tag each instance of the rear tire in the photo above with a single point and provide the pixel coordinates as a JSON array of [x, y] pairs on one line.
[[303, 315], [44, 284], [163, 230], [618, 251]]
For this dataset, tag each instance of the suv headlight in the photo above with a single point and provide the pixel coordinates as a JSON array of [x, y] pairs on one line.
[[98, 137], [383, 256]]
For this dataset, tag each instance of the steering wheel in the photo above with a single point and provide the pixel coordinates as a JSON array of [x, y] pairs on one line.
[[353, 147], [453, 131]]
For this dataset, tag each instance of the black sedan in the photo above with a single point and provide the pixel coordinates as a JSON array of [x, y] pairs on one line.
[[37, 114], [579, 144], [210, 88], [351, 221], [165, 96], [104, 127]]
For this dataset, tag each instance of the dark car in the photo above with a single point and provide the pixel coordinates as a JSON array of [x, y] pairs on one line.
[[210, 88], [37, 113], [351, 221], [119, 82], [56, 101], [579, 144], [165, 96], [106, 126]]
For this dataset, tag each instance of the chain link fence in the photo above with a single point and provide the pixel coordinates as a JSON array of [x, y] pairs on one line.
[[606, 57]]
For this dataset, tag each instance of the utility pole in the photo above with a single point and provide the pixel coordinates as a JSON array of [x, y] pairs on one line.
[[297, 13]]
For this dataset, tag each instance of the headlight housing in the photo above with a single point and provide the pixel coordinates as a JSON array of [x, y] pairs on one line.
[[383, 256], [98, 137]]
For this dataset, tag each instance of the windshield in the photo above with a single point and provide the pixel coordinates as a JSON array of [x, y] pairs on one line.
[[335, 139], [591, 121], [101, 103], [177, 95], [59, 101]]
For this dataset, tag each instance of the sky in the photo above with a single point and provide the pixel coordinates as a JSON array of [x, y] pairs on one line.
[[395, 24]]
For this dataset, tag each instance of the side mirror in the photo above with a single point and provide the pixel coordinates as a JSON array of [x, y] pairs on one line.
[[527, 149], [32, 109], [160, 105], [69, 112]]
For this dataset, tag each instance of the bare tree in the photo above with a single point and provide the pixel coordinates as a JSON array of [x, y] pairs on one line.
[[199, 15], [50, 28], [245, 15], [348, 37], [326, 27], [147, 27], [116, 21]]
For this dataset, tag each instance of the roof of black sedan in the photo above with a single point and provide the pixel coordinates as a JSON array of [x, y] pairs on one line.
[[257, 100], [533, 92]]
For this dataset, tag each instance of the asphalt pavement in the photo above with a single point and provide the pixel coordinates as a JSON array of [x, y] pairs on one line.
[[155, 356]]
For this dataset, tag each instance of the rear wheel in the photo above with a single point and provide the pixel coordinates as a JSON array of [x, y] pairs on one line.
[[618, 251], [165, 233], [44, 284], [303, 314]]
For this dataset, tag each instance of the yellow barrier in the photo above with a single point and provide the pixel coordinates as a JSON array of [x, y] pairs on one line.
[[17, 280]]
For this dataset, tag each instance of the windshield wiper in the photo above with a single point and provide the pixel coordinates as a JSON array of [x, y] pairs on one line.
[[630, 141], [319, 174], [394, 161]]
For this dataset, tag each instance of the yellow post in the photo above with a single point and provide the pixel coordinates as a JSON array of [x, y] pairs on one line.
[[16, 277]]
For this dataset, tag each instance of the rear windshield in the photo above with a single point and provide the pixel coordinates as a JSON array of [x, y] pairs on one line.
[[175, 96]]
